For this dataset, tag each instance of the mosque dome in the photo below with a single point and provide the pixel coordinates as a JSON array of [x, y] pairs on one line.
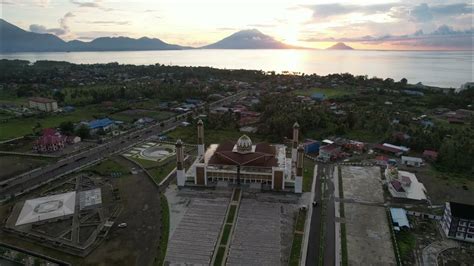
[[244, 144]]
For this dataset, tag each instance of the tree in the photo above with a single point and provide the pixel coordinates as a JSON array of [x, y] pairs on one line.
[[83, 131], [66, 127]]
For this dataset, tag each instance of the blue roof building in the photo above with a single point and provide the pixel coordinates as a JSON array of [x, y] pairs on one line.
[[399, 218], [100, 123], [318, 96]]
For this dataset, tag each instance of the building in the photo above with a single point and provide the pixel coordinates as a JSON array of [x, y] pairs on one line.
[[329, 152], [388, 149], [104, 124], [50, 141], [412, 161], [430, 155], [402, 184], [381, 160], [311, 146], [458, 221], [242, 162], [318, 96], [43, 104], [399, 219]]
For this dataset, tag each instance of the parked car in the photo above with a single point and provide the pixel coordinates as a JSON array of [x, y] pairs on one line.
[[122, 225]]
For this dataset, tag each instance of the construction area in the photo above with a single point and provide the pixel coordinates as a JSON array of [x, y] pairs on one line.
[[367, 230]]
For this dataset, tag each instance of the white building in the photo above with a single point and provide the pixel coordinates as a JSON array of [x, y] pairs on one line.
[[402, 184], [412, 161], [43, 104]]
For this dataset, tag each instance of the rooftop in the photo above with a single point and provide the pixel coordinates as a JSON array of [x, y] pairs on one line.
[[462, 210], [41, 100]]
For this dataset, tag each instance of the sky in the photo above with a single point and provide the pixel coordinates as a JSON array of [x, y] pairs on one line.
[[362, 24]]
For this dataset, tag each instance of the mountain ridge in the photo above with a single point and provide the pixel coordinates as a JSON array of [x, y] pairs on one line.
[[15, 39]]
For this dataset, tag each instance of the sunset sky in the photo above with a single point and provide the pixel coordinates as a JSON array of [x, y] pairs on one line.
[[367, 24]]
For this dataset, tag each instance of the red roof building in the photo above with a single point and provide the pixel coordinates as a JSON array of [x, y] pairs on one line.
[[50, 141], [430, 155]]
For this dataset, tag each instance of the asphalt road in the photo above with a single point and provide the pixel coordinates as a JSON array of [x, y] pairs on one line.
[[76, 161], [315, 234]]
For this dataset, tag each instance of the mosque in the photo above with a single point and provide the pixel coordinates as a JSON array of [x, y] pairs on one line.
[[243, 162]]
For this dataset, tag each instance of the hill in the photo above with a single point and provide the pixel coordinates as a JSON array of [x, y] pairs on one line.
[[248, 39], [340, 46], [15, 39]]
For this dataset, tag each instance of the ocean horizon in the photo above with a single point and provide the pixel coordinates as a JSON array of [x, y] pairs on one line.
[[433, 68]]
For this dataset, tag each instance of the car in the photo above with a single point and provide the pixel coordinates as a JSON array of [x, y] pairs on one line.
[[122, 225], [315, 203]]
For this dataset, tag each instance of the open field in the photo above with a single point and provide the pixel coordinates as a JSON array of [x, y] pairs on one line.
[[308, 174], [329, 92], [135, 245], [366, 227], [15, 165], [22, 126], [444, 187], [105, 168]]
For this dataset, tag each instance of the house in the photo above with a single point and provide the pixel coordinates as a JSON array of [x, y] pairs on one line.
[[412, 161], [318, 96], [311, 146], [399, 219], [388, 150], [430, 155], [402, 184], [73, 139], [43, 104], [381, 160], [329, 152], [50, 141], [458, 221], [104, 124]]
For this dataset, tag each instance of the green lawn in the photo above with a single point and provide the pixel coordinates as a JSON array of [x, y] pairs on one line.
[[22, 126], [159, 173], [165, 227], [406, 243], [226, 234], [329, 93], [219, 256], [230, 217], [308, 174], [296, 250], [107, 167]]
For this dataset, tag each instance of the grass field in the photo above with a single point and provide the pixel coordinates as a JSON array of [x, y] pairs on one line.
[[329, 93], [107, 167], [159, 173], [23, 126], [165, 230]]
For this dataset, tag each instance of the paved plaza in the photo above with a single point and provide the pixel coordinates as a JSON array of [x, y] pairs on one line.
[[259, 237], [195, 236]]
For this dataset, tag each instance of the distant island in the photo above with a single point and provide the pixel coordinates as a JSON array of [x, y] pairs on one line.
[[340, 46], [15, 39]]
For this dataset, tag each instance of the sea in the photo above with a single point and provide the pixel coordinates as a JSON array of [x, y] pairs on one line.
[[434, 68]]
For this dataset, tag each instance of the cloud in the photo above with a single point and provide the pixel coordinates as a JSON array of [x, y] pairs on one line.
[[331, 10], [260, 25], [443, 37], [109, 22], [61, 31], [424, 12], [42, 29], [91, 4]]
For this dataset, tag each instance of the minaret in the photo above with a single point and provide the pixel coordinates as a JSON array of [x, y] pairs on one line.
[[296, 133], [200, 128], [299, 170], [180, 175]]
